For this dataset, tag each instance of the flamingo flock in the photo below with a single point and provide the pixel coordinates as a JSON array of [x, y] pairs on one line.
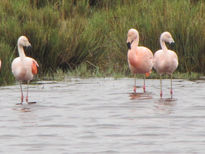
[[140, 60]]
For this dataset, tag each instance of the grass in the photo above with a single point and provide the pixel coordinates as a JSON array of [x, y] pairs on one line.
[[84, 71], [88, 37]]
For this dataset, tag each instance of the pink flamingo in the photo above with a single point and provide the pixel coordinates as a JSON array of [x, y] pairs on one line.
[[165, 61], [140, 59], [23, 67]]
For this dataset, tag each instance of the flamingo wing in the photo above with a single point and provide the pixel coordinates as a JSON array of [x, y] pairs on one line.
[[34, 67]]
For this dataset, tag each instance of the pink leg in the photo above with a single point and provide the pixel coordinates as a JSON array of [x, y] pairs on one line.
[[144, 88], [171, 91], [27, 99], [21, 98], [161, 86], [21, 93], [27, 92], [135, 87]]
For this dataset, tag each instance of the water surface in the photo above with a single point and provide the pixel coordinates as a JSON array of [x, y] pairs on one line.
[[103, 116]]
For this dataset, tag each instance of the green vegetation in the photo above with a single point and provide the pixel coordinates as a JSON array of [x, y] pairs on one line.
[[83, 71], [89, 36]]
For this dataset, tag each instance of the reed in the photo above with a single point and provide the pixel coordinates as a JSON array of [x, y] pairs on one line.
[[66, 34]]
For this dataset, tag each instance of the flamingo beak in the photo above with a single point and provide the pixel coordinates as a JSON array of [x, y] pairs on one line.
[[172, 44], [128, 45], [29, 47]]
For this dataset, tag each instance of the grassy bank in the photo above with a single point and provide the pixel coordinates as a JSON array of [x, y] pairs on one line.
[[66, 34], [84, 71]]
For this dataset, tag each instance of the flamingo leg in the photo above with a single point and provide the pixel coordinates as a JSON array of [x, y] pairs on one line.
[[134, 89], [160, 85], [27, 92], [21, 92], [144, 84], [171, 92]]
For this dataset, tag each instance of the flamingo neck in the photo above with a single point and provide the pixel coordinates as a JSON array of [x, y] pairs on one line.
[[163, 45], [21, 52], [135, 42]]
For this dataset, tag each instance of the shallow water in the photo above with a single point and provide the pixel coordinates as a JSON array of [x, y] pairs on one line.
[[103, 116]]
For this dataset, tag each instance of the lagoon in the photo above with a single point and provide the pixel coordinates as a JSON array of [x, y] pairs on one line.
[[103, 115]]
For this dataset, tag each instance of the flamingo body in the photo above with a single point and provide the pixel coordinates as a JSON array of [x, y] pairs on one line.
[[140, 60], [165, 63], [23, 69]]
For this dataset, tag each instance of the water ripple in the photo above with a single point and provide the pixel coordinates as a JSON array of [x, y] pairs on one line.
[[102, 115]]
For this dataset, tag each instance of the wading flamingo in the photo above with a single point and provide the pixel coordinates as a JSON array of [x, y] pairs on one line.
[[23, 67], [165, 61], [140, 59]]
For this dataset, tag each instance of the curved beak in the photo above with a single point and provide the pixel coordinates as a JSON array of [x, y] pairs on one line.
[[29, 47], [172, 44]]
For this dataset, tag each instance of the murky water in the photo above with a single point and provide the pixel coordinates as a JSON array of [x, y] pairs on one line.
[[103, 116]]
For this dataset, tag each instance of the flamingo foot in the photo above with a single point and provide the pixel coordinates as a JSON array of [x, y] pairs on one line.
[[134, 89], [144, 88], [161, 94]]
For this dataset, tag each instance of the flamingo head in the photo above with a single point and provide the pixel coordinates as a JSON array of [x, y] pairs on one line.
[[167, 37], [23, 41], [131, 36]]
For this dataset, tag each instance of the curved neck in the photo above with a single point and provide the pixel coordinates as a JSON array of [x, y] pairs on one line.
[[163, 45], [135, 42], [21, 52]]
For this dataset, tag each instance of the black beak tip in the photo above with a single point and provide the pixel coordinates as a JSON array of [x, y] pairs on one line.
[[129, 45], [29, 47], [172, 44]]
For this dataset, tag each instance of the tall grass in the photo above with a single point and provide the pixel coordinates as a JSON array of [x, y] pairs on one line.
[[151, 18], [68, 33]]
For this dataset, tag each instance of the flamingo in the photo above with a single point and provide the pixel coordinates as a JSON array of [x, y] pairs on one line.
[[165, 61], [23, 67], [140, 59]]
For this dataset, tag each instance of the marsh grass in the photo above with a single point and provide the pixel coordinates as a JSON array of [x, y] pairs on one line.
[[84, 70], [88, 37], [5, 72]]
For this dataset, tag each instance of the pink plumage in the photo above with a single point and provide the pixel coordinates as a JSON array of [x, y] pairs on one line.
[[165, 61], [140, 59], [23, 67]]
